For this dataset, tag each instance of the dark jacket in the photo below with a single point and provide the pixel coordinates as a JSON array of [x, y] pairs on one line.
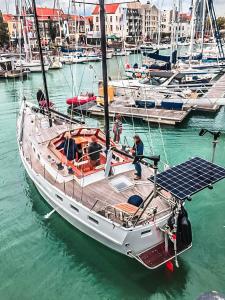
[[40, 96], [94, 147], [69, 147], [138, 148]]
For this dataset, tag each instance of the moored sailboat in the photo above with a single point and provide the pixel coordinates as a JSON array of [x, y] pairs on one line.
[[144, 219]]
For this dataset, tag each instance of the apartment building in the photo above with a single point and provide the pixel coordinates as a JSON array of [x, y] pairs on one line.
[[166, 22], [14, 26], [150, 21], [113, 19], [133, 23]]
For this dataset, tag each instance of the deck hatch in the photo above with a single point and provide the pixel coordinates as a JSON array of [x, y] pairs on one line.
[[190, 177], [121, 183]]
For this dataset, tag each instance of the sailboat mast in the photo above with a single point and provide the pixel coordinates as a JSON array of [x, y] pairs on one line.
[[104, 71], [193, 23], [42, 61], [203, 25]]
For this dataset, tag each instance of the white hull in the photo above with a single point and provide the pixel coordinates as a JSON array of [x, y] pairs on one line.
[[32, 66], [132, 240], [56, 66], [106, 232], [68, 60], [122, 53]]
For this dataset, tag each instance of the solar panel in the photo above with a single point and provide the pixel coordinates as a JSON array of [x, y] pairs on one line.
[[189, 177]]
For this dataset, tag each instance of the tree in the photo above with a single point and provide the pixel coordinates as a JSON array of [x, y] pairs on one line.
[[52, 31], [221, 22], [4, 33]]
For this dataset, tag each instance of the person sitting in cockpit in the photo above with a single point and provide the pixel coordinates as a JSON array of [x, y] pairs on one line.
[[69, 147]]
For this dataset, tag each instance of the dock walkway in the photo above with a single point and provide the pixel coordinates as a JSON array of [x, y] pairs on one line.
[[217, 91], [162, 116]]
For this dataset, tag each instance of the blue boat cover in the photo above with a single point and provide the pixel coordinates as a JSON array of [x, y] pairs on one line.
[[164, 58]]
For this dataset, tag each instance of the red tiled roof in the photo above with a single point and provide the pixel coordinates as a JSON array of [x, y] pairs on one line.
[[75, 18], [185, 17], [89, 19], [7, 17], [109, 9], [45, 13]]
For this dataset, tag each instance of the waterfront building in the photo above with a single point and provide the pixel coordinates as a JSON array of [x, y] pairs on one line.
[[166, 22], [150, 21], [113, 19], [14, 26], [183, 26], [133, 25], [74, 27], [50, 23]]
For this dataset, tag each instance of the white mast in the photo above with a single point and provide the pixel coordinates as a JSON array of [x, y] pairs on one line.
[[193, 19], [211, 25], [173, 29], [203, 24], [27, 48], [159, 27]]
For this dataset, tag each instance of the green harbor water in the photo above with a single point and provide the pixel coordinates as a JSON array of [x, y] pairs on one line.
[[51, 260]]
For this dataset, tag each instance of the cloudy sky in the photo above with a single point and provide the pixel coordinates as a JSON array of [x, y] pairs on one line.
[[8, 5]]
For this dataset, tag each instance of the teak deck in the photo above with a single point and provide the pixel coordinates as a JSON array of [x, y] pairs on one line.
[[156, 256], [101, 191]]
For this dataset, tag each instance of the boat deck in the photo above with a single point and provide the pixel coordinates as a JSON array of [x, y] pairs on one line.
[[217, 91], [98, 195], [157, 256]]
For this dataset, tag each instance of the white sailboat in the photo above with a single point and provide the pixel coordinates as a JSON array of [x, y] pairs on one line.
[[140, 219], [29, 63]]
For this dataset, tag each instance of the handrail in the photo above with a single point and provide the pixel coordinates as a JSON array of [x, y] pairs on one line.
[[89, 154]]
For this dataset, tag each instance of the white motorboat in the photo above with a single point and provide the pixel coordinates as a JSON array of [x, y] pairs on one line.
[[32, 65], [122, 52], [55, 63], [148, 46]]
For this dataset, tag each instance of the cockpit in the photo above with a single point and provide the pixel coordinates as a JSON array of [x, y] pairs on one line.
[[82, 164]]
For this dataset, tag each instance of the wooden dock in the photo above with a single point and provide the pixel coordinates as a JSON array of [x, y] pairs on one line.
[[217, 91], [154, 115]]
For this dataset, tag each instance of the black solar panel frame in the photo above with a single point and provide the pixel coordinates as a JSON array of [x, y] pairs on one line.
[[180, 186]]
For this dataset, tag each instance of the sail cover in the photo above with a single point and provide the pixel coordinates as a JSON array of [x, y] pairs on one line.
[[190, 177], [164, 58]]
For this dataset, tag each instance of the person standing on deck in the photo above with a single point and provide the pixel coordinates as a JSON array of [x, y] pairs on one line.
[[117, 128], [137, 149], [40, 96]]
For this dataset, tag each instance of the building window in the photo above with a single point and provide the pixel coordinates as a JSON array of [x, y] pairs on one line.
[[111, 19], [96, 19], [111, 28], [97, 28]]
